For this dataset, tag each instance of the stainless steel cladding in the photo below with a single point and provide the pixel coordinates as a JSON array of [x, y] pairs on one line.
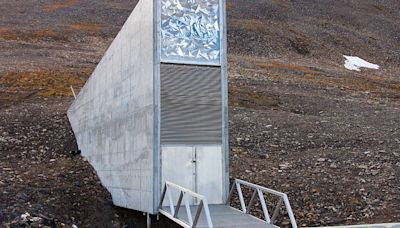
[[191, 104]]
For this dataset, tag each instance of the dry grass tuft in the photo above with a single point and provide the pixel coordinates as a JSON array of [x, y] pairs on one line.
[[230, 5], [47, 33], [248, 98], [249, 24], [45, 82], [60, 5], [283, 3], [9, 34], [303, 69], [379, 86]]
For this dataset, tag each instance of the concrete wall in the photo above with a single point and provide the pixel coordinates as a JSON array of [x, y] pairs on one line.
[[113, 115]]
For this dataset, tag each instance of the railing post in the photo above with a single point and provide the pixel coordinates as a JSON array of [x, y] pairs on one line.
[[277, 209], [198, 212], [171, 203], [188, 211], [162, 196], [239, 190], [250, 205], [228, 200], [178, 205], [289, 210], [207, 212], [264, 206]]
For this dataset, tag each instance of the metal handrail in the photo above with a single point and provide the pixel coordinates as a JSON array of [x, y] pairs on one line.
[[259, 190], [183, 196]]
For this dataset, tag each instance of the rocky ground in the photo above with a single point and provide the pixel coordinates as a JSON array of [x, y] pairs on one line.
[[335, 151], [299, 122], [41, 182]]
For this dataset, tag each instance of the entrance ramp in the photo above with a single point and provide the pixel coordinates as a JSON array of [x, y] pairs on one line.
[[192, 210], [383, 225], [222, 216]]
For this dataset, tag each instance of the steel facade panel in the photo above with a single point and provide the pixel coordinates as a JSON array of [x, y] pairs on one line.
[[191, 104]]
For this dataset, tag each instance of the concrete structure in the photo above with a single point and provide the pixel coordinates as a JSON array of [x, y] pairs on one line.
[[155, 107], [153, 117]]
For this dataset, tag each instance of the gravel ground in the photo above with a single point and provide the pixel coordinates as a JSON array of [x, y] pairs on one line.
[[334, 152], [40, 176], [299, 122]]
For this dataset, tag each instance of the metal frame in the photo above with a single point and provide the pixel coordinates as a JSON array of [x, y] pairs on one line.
[[174, 210], [259, 190], [225, 109], [156, 106], [156, 84]]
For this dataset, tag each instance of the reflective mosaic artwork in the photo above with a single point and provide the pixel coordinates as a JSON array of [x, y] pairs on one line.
[[190, 31]]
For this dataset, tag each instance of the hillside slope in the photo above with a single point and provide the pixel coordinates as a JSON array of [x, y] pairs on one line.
[[316, 29], [299, 121]]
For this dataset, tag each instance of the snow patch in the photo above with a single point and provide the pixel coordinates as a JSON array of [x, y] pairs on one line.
[[355, 63]]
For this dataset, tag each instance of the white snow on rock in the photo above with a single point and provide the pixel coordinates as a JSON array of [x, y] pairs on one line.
[[355, 63]]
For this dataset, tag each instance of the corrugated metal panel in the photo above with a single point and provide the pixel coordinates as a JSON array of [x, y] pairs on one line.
[[191, 105]]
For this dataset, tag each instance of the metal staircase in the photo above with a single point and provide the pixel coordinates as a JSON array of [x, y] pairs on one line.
[[224, 215]]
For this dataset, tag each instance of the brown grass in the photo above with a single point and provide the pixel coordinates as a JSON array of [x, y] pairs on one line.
[[47, 33], [379, 86], [9, 34], [45, 82], [249, 24], [60, 5], [283, 3], [92, 28], [248, 98], [230, 5], [303, 69]]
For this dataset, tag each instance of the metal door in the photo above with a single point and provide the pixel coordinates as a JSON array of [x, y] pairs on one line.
[[209, 173], [198, 168], [178, 167]]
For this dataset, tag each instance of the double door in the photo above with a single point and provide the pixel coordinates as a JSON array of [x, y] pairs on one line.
[[198, 168]]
